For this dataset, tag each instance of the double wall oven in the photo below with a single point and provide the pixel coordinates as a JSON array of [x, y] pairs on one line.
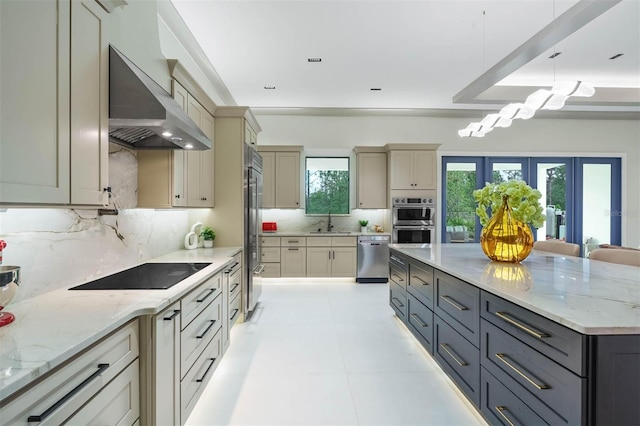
[[413, 220]]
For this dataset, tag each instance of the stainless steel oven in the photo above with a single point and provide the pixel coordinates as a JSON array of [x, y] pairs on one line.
[[410, 211], [414, 234]]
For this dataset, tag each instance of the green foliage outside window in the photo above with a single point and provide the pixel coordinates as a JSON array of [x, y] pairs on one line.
[[327, 186]]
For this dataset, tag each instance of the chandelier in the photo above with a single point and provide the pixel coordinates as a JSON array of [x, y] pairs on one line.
[[553, 99]]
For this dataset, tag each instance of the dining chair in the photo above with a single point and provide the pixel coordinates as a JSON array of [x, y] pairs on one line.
[[614, 255], [556, 246]]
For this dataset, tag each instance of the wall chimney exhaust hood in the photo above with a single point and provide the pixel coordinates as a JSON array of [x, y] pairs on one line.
[[142, 115]]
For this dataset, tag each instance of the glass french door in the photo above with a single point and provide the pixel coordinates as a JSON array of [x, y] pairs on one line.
[[462, 176], [553, 177]]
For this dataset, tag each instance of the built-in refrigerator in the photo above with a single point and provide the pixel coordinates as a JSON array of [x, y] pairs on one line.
[[252, 220]]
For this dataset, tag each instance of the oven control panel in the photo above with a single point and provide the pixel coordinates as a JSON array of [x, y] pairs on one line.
[[398, 201]]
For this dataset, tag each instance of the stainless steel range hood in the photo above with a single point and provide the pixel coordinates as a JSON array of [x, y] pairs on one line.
[[142, 115]]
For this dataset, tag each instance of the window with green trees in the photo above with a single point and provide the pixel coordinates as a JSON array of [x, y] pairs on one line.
[[327, 185]]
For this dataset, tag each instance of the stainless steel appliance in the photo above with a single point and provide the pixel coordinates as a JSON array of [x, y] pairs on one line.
[[413, 211], [413, 220], [373, 259], [252, 218]]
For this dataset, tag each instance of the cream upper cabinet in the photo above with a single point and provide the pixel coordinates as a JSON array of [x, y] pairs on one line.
[[281, 177], [250, 135], [413, 169], [54, 98], [372, 180]]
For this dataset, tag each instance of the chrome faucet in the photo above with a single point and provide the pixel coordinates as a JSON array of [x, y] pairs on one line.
[[329, 225]]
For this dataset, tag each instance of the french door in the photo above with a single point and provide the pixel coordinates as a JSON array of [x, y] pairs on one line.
[[581, 196]]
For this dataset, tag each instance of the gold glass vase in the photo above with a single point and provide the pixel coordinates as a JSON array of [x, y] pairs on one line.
[[504, 238]]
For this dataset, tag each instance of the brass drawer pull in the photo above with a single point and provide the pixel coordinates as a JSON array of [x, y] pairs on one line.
[[423, 282], [399, 278], [502, 357], [455, 358], [530, 330], [500, 409], [422, 323], [399, 302], [454, 303]]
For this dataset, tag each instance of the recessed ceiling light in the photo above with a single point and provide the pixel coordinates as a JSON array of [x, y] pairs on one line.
[[616, 56], [314, 59], [554, 55], [376, 89], [270, 87]]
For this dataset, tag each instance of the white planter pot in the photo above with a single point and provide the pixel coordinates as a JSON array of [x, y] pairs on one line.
[[363, 229], [208, 243]]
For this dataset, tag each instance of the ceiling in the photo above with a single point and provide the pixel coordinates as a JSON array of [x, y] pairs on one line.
[[423, 54]]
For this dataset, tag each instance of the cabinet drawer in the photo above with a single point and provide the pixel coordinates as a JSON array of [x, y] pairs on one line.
[[421, 284], [235, 284], [270, 254], [533, 376], [193, 303], [344, 241], [198, 334], [194, 382], [271, 270], [420, 322], [559, 343], [318, 241], [501, 407], [398, 300], [88, 372], [398, 270], [270, 241], [118, 403], [458, 303], [458, 358], [293, 241], [234, 311]]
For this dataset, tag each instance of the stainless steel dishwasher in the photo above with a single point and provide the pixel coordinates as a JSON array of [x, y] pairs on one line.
[[373, 259]]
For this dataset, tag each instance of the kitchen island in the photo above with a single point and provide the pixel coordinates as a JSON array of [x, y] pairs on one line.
[[554, 339], [56, 327]]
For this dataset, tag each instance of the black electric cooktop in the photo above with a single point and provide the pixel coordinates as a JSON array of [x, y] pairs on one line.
[[148, 276]]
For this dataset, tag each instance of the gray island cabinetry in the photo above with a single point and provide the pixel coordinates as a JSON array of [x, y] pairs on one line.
[[549, 341]]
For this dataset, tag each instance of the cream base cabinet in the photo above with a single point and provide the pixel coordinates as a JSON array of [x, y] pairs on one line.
[[344, 261], [166, 344], [293, 257], [59, 108], [371, 180], [331, 256], [413, 169], [319, 260]]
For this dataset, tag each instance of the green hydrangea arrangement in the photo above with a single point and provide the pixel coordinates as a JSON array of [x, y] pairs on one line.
[[523, 200]]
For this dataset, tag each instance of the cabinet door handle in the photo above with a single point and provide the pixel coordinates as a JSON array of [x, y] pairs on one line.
[[400, 305], [528, 329], [234, 288], [204, 333], [235, 312], [175, 313], [206, 296], [201, 379], [64, 399], [503, 358], [422, 323], [501, 409], [450, 352], [454, 303], [423, 282]]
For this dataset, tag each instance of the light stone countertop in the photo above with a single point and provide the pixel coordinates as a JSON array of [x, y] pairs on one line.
[[590, 297], [54, 326]]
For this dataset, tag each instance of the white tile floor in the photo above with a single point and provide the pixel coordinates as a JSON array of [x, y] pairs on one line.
[[328, 352]]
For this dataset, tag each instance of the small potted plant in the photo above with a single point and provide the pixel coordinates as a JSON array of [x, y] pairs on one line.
[[363, 225], [208, 235]]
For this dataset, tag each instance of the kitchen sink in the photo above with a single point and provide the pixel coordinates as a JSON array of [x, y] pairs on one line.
[[331, 232]]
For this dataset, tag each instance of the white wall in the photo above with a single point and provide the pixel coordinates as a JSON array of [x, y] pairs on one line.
[[535, 137]]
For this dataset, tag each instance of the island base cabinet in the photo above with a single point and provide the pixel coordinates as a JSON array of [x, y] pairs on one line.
[[420, 322], [501, 407], [616, 388], [398, 301], [458, 358]]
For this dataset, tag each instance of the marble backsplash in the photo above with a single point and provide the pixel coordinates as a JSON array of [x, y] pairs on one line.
[[289, 220], [57, 248]]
